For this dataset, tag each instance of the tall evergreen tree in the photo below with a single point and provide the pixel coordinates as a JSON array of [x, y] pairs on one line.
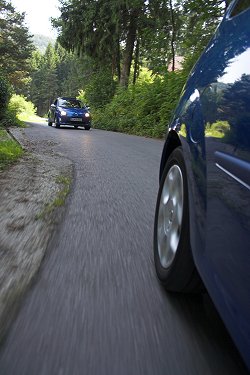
[[15, 45], [44, 85], [124, 34], [103, 30]]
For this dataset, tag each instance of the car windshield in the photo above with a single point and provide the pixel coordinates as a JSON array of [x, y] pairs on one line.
[[69, 103]]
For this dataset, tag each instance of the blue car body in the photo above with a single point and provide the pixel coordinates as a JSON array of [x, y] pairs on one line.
[[212, 125], [69, 111]]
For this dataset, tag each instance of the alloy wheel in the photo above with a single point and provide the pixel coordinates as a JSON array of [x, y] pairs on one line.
[[170, 216]]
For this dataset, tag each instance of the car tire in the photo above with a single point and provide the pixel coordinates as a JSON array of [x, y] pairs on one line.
[[172, 251], [57, 123], [49, 123], [76, 126], [87, 127]]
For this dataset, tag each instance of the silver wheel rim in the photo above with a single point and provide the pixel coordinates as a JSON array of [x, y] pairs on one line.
[[170, 216]]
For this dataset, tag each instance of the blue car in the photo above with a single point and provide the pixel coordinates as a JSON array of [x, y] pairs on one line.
[[69, 111], [202, 218]]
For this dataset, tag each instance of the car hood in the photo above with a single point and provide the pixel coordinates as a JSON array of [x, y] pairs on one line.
[[73, 111]]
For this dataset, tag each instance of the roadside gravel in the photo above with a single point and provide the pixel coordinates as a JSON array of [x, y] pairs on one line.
[[27, 188]]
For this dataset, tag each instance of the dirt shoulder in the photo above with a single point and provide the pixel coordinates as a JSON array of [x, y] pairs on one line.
[[29, 190]]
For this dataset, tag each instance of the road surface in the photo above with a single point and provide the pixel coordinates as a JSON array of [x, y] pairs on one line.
[[96, 307]]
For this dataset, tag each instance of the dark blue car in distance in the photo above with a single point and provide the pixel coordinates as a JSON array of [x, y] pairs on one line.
[[69, 111], [202, 218]]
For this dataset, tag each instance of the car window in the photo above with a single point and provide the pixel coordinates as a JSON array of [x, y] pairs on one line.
[[239, 7], [69, 103]]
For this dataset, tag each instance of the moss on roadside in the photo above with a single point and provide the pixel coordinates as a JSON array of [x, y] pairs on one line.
[[64, 182]]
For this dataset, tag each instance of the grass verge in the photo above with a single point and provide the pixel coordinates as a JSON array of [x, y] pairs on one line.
[[10, 150]]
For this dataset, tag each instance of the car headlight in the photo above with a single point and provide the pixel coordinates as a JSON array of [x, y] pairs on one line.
[[87, 114], [63, 113]]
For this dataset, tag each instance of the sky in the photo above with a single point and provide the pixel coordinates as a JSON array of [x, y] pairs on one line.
[[38, 14]]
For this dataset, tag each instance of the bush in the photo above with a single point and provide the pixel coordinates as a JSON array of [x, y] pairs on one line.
[[4, 96], [17, 107], [10, 119], [100, 90], [20, 106], [82, 97], [143, 109]]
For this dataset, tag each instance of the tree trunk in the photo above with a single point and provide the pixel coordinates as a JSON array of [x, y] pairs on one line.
[[128, 53], [172, 36], [136, 67], [118, 60]]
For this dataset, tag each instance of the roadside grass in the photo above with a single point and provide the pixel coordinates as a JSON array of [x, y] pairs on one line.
[[10, 150], [64, 182]]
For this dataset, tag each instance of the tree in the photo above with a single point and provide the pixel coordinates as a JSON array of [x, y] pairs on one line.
[[199, 21], [160, 35], [44, 84], [118, 36], [103, 30], [4, 96], [15, 45], [56, 73], [50, 84], [131, 24]]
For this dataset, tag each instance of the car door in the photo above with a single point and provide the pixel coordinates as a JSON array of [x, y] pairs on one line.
[[226, 110]]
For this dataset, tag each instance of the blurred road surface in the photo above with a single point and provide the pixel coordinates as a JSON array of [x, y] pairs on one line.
[[96, 307]]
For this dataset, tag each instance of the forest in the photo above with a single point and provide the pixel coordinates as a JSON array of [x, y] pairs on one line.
[[127, 59]]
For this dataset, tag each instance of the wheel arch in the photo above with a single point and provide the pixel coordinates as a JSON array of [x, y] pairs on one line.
[[172, 142]]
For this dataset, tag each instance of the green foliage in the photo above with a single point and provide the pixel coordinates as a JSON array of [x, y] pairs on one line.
[[56, 73], [143, 109], [105, 40], [160, 34], [44, 84], [15, 45], [7, 115], [10, 119], [10, 150], [88, 28], [100, 89], [151, 32], [21, 106], [199, 21], [18, 107], [4, 96], [73, 72], [82, 97]]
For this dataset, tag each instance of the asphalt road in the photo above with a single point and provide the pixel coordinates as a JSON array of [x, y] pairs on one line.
[[96, 307]]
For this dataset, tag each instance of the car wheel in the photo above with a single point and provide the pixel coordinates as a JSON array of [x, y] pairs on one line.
[[75, 126], [172, 252], [57, 123], [87, 127], [49, 123]]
